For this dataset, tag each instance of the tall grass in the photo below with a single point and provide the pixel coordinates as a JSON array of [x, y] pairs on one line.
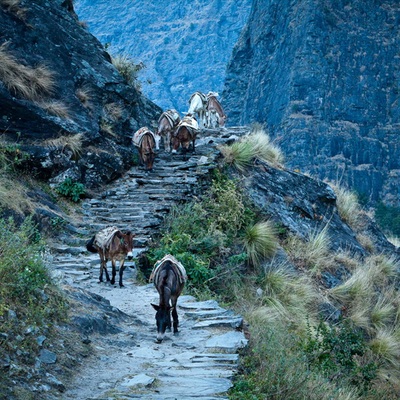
[[260, 241], [313, 253], [73, 142], [256, 146], [32, 83], [128, 69], [348, 206]]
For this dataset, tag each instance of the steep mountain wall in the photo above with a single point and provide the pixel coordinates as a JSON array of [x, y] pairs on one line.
[[62, 102], [324, 77], [185, 45]]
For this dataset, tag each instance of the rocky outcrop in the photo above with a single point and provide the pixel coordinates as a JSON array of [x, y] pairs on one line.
[[324, 78], [62, 102], [184, 45]]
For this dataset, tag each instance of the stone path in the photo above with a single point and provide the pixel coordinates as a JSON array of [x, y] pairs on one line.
[[196, 364]]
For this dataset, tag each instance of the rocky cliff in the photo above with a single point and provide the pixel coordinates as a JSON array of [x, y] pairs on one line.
[[185, 45], [62, 102], [323, 76]]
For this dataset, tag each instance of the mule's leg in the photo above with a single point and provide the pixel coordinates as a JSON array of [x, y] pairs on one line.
[[102, 266], [121, 272], [114, 271], [167, 141], [175, 315]]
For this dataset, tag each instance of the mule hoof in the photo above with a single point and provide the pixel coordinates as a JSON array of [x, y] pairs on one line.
[[112, 282], [158, 341]]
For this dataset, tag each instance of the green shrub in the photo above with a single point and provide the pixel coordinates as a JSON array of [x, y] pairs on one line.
[[388, 217], [71, 189], [128, 69], [339, 352], [202, 233]]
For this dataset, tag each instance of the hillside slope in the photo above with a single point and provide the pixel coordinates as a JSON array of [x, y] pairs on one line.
[[184, 45], [324, 79]]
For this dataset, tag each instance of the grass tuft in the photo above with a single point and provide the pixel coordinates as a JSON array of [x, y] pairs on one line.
[[256, 146], [348, 206], [73, 143], [260, 241], [29, 82]]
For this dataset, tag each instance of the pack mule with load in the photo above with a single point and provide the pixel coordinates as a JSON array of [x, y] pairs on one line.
[[185, 133], [112, 244], [169, 277], [167, 122], [145, 140]]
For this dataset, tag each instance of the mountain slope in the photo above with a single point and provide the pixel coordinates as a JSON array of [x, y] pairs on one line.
[[324, 79], [184, 45]]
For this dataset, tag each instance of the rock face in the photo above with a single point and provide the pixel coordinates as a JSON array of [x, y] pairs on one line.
[[185, 45], [324, 78], [79, 120]]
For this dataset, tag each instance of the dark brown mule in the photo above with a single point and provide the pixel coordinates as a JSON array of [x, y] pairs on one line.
[[145, 140], [215, 112], [167, 123], [169, 278], [185, 134], [112, 244]]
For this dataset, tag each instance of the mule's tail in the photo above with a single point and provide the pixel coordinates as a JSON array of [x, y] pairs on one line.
[[89, 245]]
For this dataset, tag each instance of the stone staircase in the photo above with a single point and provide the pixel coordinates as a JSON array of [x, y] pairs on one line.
[[197, 364]]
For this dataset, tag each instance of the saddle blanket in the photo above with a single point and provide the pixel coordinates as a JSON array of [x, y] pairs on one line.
[[190, 123], [104, 237], [178, 268], [202, 96], [172, 116], [138, 135]]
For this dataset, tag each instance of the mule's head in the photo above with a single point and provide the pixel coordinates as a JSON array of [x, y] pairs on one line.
[[157, 138], [126, 240], [221, 120], [163, 320], [175, 142]]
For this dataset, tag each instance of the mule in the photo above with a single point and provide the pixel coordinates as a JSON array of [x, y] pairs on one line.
[[112, 244], [167, 122], [215, 112], [197, 106], [169, 277], [145, 140], [185, 133]]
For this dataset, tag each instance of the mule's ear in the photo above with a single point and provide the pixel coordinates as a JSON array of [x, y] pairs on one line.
[[155, 306]]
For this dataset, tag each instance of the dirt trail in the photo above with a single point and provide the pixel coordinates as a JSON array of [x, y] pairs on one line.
[[200, 361]]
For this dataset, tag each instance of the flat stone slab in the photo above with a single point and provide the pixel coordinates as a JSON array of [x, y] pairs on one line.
[[200, 305], [220, 322], [137, 380], [182, 388], [230, 341]]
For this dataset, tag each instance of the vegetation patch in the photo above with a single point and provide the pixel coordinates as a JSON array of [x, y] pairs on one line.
[[71, 189], [29, 302]]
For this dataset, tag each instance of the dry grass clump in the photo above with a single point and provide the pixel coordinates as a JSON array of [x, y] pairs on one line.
[[394, 240], [313, 253], [371, 300], [114, 111], [347, 203], [256, 146], [260, 241], [55, 107], [15, 8], [128, 69], [84, 95], [32, 83], [287, 295], [73, 143], [13, 195]]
